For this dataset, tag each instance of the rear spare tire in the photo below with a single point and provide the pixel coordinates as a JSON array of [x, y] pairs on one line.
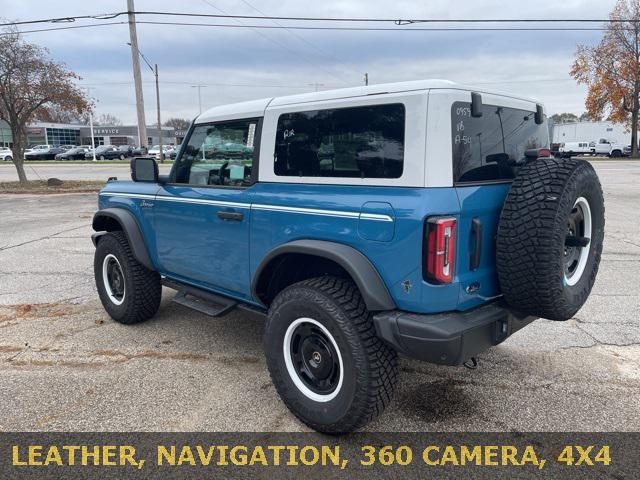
[[550, 237]]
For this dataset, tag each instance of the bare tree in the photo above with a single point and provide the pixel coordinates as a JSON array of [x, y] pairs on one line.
[[56, 114], [109, 120], [29, 82], [178, 123]]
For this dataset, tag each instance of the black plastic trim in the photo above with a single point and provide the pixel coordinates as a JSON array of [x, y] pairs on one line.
[[449, 338], [364, 274], [131, 229]]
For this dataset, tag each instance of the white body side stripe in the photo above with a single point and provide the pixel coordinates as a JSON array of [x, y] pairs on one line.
[[273, 208]]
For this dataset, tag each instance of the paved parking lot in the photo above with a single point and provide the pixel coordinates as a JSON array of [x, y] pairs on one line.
[[71, 171], [64, 365]]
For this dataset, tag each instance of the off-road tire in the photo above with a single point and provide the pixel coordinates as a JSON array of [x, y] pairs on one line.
[[143, 289], [370, 366], [530, 246]]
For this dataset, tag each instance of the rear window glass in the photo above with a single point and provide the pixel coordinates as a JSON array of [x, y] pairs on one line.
[[487, 148], [355, 142]]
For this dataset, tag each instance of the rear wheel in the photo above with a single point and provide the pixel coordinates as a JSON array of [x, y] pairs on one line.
[[129, 292], [102, 157], [616, 154], [121, 157], [325, 360], [550, 238]]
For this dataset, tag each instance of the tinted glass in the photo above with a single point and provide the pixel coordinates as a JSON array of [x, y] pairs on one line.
[[490, 147], [219, 154], [358, 142]]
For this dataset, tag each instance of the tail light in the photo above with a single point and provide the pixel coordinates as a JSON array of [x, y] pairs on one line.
[[440, 247]]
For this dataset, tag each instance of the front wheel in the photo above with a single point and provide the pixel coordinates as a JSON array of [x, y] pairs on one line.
[[129, 292], [325, 360]]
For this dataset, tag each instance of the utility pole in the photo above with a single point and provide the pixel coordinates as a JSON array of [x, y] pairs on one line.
[[366, 79], [137, 77], [199, 96], [159, 124], [93, 144]]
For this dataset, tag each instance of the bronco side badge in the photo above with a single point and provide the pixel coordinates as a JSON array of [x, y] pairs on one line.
[[406, 285]]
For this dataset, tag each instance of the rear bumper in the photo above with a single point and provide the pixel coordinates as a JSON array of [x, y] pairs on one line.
[[449, 338]]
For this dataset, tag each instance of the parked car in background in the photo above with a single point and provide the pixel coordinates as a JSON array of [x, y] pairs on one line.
[[66, 147], [6, 154], [76, 153], [140, 151], [608, 147], [627, 151], [34, 148], [43, 153], [570, 149], [106, 152], [174, 153], [155, 151], [127, 150]]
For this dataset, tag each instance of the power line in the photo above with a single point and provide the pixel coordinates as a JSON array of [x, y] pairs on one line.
[[397, 21], [364, 29], [382, 29], [52, 29]]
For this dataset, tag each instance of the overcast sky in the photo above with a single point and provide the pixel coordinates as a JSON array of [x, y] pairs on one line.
[[241, 64]]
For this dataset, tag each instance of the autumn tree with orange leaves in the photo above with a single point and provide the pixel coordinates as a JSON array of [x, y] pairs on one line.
[[611, 70]]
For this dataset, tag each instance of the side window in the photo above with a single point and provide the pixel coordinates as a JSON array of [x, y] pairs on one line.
[[489, 148], [353, 142], [218, 154]]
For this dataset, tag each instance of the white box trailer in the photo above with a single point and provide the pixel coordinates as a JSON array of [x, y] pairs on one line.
[[590, 132]]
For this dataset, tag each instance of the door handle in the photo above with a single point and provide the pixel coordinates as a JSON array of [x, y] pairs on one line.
[[476, 231], [237, 216]]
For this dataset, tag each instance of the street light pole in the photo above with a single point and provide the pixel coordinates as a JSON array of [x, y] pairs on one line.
[[155, 73], [199, 87], [159, 124], [93, 146]]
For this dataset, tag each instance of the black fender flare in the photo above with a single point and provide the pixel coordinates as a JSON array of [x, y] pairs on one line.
[[372, 288], [103, 223]]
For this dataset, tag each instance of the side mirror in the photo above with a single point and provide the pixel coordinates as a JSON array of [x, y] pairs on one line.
[[144, 169]]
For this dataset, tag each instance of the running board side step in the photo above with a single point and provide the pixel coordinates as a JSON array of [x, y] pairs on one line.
[[201, 301]]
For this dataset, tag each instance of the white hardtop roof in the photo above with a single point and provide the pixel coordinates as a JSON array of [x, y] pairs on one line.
[[256, 108]]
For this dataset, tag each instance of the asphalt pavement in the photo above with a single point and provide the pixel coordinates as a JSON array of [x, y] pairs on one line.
[[65, 365], [71, 171]]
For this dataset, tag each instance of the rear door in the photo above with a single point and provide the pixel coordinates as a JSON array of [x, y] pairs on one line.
[[485, 153], [202, 215]]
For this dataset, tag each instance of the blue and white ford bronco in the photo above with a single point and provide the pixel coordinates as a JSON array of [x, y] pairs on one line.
[[423, 218]]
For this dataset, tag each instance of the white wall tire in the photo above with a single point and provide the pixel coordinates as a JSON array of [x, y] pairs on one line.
[[367, 368], [113, 279], [573, 274], [140, 289], [289, 359]]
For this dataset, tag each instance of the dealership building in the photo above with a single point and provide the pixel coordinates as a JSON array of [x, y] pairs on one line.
[[42, 133]]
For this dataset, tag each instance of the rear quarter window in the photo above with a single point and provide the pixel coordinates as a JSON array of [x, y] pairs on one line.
[[488, 148], [350, 142]]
